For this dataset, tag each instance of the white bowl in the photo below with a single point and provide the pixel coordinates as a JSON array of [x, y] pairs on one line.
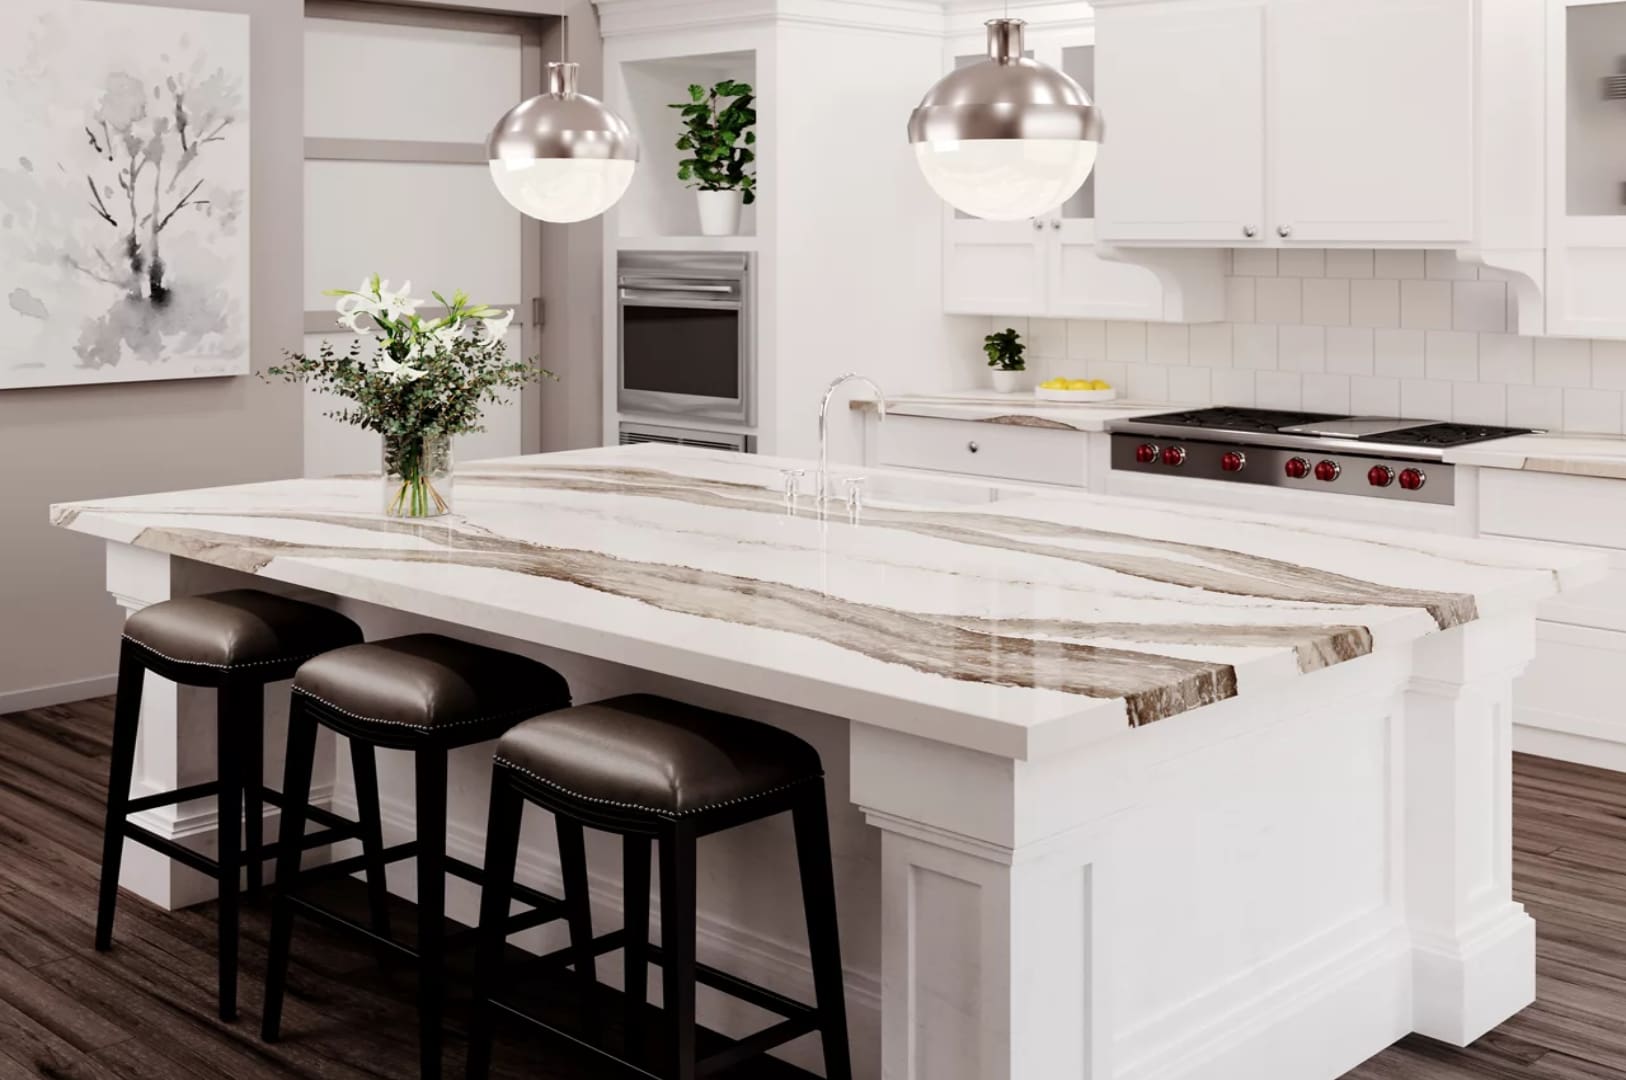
[[1075, 395]]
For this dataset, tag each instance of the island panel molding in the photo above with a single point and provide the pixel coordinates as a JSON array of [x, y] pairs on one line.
[[125, 193], [1161, 793]]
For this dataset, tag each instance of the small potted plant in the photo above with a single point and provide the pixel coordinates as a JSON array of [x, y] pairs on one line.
[[1005, 350], [718, 138]]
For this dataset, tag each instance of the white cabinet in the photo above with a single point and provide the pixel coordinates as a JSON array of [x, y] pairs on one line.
[[1278, 122], [981, 448], [1051, 265]]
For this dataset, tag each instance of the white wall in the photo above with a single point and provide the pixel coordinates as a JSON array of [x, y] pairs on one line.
[[1388, 333]]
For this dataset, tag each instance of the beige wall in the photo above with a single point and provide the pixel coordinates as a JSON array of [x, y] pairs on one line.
[[57, 624]]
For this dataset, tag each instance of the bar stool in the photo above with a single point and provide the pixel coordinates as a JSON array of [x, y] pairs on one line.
[[650, 769], [236, 641], [426, 694]]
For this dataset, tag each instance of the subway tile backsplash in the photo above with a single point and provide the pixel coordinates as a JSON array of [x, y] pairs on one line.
[[1381, 332]]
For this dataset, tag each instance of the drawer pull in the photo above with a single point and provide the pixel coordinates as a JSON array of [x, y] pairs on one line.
[[972, 446]]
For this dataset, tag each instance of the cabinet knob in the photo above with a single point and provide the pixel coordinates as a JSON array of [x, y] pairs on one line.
[[1055, 223], [1037, 224], [972, 446], [1250, 231], [1284, 231]]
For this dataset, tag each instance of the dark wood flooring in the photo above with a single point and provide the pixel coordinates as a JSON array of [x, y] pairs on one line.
[[145, 1010]]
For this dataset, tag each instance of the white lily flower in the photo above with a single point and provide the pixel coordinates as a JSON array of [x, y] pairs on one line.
[[396, 304], [399, 372], [351, 307], [440, 338], [498, 326]]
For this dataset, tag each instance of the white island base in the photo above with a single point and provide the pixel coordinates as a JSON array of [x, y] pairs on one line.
[[1273, 887]]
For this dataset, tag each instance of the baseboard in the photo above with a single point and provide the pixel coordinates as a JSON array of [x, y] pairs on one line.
[[40, 697], [1552, 741]]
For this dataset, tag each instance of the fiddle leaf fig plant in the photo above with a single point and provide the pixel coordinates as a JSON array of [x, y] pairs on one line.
[[717, 134], [1005, 350]]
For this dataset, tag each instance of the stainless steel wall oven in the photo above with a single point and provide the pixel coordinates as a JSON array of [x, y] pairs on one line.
[[687, 336]]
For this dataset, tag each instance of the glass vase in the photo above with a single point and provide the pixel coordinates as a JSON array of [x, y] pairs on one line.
[[417, 476]]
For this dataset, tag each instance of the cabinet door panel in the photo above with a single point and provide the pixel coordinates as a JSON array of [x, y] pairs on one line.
[[1372, 120], [1182, 89], [993, 268], [1083, 285]]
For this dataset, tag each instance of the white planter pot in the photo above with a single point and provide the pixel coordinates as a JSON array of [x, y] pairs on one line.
[[1011, 382], [719, 212]]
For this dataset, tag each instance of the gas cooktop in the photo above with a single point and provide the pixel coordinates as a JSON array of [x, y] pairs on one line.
[[1375, 456]]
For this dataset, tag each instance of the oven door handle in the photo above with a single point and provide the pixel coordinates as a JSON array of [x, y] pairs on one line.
[[725, 300]]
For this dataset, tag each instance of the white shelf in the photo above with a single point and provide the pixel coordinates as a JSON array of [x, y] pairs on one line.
[[686, 243]]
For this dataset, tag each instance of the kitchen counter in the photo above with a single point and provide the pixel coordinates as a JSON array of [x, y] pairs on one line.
[[1122, 774], [1574, 455], [1020, 409]]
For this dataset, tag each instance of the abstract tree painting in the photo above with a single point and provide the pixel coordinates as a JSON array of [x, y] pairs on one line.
[[124, 186]]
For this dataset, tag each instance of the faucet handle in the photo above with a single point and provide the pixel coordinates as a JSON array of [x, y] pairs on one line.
[[793, 482], [855, 493]]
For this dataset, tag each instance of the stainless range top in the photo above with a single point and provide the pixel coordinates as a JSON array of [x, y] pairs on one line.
[[1375, 456]]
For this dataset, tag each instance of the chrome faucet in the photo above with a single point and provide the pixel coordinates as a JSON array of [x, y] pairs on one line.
[[824, 425]]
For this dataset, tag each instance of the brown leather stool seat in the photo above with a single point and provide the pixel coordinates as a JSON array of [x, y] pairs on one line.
[[239, 629], [428, 688], [652, 754]]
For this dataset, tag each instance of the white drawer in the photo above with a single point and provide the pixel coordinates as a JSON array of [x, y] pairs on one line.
[[1548, 506], [1573, 686], [975, 448]]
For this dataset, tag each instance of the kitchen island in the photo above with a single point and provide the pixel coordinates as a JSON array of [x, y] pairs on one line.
[[1137, 791]]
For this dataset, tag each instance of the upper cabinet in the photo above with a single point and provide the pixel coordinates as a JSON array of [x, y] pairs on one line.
[[1280, 122], [1052, 265]]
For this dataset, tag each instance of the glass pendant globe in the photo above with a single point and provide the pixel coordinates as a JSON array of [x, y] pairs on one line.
[[1007, 138], [562, 156]]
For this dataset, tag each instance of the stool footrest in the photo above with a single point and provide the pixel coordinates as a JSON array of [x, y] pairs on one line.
[[750, 992], [170, 798]]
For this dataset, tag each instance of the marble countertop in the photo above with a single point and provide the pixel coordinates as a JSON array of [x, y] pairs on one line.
[[1022, 409], [1002, 618], [1575, 455]]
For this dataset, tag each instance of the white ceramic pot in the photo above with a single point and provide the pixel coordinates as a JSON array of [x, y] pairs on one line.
[[1011, 382], [719, 212]]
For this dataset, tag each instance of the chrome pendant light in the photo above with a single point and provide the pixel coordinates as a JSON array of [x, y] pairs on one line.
[[1007, 138], [562, 156]]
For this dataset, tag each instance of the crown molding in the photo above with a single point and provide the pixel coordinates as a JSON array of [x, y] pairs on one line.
[[619, 18]]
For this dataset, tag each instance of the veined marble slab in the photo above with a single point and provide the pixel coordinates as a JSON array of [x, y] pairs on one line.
[[1574, 455], [1001, 618], [1020, 409]]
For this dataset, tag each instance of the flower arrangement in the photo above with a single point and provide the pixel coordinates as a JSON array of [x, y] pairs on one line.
[[425, 381]]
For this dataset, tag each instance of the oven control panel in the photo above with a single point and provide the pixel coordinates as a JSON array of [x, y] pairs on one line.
[[1331, 471]]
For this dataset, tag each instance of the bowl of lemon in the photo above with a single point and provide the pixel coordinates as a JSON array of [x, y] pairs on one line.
[[1075, 390]]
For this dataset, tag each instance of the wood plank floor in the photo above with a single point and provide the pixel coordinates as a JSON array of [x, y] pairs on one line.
[[145, 1010]]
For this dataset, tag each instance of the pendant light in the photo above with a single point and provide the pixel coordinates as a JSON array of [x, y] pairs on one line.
[[1006, 138], [562, 156]]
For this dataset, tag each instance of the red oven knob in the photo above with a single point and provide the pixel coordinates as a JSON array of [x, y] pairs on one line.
[[1296, 468], [1146, 453], [1412, 479], [1380, 476], [1233, 460], [1327, 471], [1174, 455]]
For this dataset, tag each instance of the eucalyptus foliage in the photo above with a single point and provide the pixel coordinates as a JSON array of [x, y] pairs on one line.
[[718, 137]]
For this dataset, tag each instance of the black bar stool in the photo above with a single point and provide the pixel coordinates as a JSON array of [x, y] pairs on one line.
[[429, 695], [237, 642], [650, 769]]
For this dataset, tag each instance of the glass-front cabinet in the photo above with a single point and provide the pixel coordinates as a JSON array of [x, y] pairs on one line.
[[1048, 265], [1586, 189]]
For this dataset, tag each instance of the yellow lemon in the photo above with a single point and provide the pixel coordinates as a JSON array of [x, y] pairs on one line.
[[1078, 384]]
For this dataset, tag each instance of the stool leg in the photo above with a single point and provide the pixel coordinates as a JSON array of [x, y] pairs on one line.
[[497, 882], [365, 766], [635, 953], [431, 797], [677, 849], [126, 721], [824, 940], [229, 830], [296, 793], [251, 720], [578, 912]]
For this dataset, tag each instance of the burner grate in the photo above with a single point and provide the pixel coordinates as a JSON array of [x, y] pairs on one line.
[[1445, 434], [1221, 418]]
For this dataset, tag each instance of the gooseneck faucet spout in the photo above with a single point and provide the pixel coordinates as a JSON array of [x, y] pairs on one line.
[[824, 424]]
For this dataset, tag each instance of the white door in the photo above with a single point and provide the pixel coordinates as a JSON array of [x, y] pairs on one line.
[[1182, 87], [397, 107], [1372, 120]]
